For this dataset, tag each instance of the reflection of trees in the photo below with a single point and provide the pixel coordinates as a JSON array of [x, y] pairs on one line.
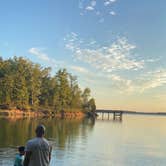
[[89, 121], [64, 132], [14, 133]]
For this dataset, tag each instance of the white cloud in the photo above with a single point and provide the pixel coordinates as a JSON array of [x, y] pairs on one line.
[[106, 3], [109, 2], [92, 42], [113, 1], [74, 34], [112, 13], [39, 54], [153, 60], [154, 79], [101, 8], [117, 56], [149, 80], [144, 82], [90, 8], [44, 57], [121, 84], [79, 69]]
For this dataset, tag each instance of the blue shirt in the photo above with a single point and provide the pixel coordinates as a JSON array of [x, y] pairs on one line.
[[19, 160]]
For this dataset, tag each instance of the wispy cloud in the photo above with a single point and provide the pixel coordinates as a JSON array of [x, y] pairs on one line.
[[144, 82], [99, 8], [112, 13], [109, 2], [38, 52], [154, 79], [123, 85], [89, 8], [79, 69], [116, 56]]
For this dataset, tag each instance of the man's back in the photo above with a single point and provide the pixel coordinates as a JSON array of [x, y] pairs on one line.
[[40, 151]]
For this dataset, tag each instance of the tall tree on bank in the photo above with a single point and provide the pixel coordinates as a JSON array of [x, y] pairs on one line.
[[63, 87]]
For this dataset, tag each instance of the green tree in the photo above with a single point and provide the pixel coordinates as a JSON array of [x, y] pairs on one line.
[[25, 85], [75, 100], [34, 85], [63, 89], [85, 98], [20, 93], [45, 87], [92, 105]]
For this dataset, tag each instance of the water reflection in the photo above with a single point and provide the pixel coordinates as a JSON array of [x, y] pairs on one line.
[[137, 140], [60, 133], [16, 133]]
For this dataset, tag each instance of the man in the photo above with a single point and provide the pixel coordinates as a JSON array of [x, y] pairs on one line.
[[38, 150]]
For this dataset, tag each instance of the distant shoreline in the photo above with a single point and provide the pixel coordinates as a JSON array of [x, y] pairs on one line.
[[145, 113], [135, 112]]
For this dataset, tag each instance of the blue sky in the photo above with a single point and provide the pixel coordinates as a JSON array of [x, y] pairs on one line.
[[115, 47]]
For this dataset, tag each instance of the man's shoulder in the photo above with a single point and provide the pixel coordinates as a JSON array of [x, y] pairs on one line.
[[32, 140], [45, 140], [36, 140]]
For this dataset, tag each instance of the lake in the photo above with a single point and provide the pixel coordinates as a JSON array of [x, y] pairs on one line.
[[137, 140]]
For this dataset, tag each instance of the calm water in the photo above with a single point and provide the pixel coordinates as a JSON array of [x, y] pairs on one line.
[[136, 141]]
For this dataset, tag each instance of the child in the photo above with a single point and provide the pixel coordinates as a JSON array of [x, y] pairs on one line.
[[20, 157]]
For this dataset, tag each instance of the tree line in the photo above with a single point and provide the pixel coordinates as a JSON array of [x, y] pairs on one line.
[[28, 86]]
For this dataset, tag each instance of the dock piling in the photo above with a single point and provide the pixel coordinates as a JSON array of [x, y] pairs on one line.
[[117, 114]]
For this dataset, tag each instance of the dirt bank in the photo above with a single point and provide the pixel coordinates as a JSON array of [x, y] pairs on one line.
[[17, 114]]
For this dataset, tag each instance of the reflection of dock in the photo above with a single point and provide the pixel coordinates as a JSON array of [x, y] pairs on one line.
[[117, 114]]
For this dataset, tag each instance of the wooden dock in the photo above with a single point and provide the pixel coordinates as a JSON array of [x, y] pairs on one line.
[[117, 114]]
